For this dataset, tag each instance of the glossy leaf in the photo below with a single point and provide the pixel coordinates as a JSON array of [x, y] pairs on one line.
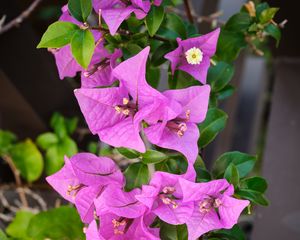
[[58, 223], [173, 232], [136, 175], [158, 55], [82, 46], [274, 32], [154, 19], [54, 158], [238, 22], [226, 92], [58, 35], [220, 75], [235, 233], [232, 174], [254, 196], [267, 15], [229, 45], [7, 139], [255, 183], [128, 153], [175, 24], [80, 9], [152, 156], [18, 227], [214, 123], [46, 140], [243, 162], [28, 160]]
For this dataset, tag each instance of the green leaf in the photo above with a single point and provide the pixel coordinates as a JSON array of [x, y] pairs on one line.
[[71, 124], [175, 24], [18, 227], [220, 75], [254, 196], [255, 183], [173, 232], [57, 122], [267, 15], [202, 174], [243, 162], [28, 160], [152, 156], [153, 76], [235, 233], [260, 8], [3, 235], [239, 22], [58, 35], [6, 141], [274, 32], [46, 140], [232, 174], [131, 49], [158, 55], [80, 9], [154, 19], [82, 46], [93, 147], [129, 153], [136, 175], [54, 158], [230, 45], [226, 92], [57, 224], [214, 123]]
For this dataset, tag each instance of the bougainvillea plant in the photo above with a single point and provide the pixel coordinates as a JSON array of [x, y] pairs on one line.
[[123, 50]]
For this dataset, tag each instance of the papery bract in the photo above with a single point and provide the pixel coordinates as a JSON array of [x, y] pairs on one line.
[[122, 216], [214, 206], [83, 178], [116, 11], [181, 133], [193, 55], [163, 197], [112, 113]]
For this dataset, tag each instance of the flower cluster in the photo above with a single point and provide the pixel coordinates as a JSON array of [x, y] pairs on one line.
[[95, 185], [119, 106]]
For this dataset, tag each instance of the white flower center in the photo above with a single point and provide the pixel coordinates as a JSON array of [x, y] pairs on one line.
[[194, 56]]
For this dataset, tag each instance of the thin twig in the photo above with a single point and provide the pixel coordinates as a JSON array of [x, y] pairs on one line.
[[18, 181], [188, 11], [212, 18], [18, 20]]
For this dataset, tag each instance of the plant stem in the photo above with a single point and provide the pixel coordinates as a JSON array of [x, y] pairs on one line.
[[128, 33], [18, 20], [188, 10], [18, 181]]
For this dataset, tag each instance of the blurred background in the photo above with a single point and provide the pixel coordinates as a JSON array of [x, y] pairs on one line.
[[264, 112]]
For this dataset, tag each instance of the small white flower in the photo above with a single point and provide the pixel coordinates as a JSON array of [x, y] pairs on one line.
[[194, 56]]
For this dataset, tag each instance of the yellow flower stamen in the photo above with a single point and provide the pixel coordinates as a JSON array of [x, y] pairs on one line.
[[194, 56]]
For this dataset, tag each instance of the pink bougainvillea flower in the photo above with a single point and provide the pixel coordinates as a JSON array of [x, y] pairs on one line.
[[111, 112], [99, 73], [163, 197], [214, 208], [116, 11], [92, 232], [83, 178], [122, 216], [193, 55], [181, 133]]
